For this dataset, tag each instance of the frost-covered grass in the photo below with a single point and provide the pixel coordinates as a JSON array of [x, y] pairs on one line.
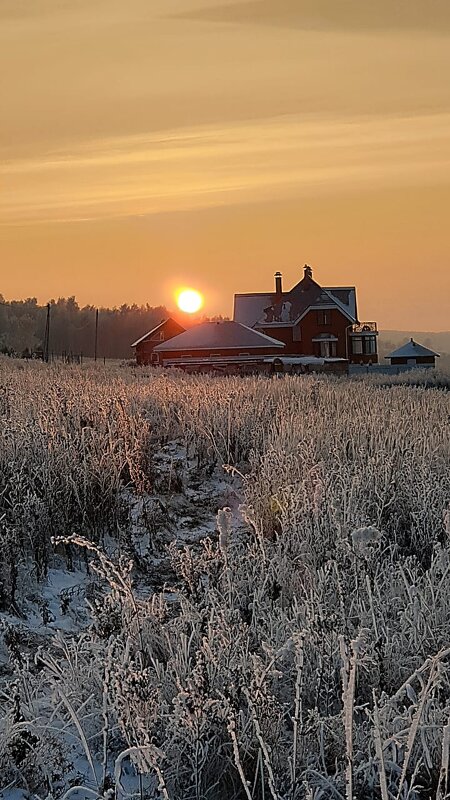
[[302, 651], [422, 377]]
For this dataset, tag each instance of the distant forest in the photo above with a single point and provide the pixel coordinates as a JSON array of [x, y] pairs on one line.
[[72, 330]]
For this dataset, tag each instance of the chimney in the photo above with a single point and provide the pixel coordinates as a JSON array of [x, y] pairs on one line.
[[307, 272], [278, 284]]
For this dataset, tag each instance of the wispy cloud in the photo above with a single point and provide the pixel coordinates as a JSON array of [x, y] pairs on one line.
[[348, 15], [236, 163]]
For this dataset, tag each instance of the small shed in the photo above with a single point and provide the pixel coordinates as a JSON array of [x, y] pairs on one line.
[[167, 329], [413, 354]]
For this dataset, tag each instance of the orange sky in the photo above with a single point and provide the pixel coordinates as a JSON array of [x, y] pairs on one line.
[[209, 143]]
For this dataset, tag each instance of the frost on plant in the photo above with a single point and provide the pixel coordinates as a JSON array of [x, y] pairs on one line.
[[275, 630]]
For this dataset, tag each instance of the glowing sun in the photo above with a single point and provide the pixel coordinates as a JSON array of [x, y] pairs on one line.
[[189, 301]]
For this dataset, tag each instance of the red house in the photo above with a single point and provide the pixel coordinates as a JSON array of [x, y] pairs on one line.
[[166, 329], [224, 345], [311, 320]]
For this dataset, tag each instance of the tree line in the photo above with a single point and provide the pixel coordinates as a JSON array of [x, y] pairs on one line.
[[72, 327]]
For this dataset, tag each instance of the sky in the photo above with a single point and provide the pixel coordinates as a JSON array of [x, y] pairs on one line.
[[150, 144]]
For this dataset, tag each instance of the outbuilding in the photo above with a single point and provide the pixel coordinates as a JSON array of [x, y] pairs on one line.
[[413, 354], [167, 329], [217, 346]]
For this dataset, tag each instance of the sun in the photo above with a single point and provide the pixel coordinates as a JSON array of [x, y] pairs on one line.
[[189, 301]]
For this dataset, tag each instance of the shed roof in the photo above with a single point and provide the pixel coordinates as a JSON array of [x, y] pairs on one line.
[[222, 335], [154, 330], [411, 349]]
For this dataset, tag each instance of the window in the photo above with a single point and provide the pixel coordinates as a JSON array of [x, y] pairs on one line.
[[161, 336], [244, 354], [327, 349], [297, 334], [155, 358], [370, 345], [323, 317], [357, 345], [364, 345]]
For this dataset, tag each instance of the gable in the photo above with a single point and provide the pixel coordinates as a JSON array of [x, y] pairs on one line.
[[166, 329], [345, 299], [262, 310]]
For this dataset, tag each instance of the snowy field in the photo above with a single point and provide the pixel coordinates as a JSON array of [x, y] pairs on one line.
[[223, 588]]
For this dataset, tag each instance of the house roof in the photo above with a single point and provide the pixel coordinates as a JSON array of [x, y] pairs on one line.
[[153, 330], [345, 297], [249, 308], [411, 349], [288, 308], [222, 335]]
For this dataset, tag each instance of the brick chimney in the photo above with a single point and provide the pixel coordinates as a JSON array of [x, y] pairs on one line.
[[307, 272], [278, 284]]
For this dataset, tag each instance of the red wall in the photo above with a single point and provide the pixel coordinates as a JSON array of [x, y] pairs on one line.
[[256, 352], [144, 349], [419, 360], [282, 335], [310, 328]]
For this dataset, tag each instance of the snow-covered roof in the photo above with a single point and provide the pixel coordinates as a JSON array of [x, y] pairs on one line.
[[249, 308], [305, 360], [222, 335], [345, 299], [263, 309], [150, 333], [412, 349]]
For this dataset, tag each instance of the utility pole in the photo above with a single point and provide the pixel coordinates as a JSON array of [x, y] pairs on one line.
[[47, 335], [96, 334]]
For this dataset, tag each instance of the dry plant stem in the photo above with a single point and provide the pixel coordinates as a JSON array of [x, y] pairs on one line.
[[415, 725], [81, 733], [111, 573], [83, 790], [231, 727], [323, 778], [319, 460], [442, 791], [379, 748], [134, 751], [440, 656], [299, 658], [348, 672], [263, 746], [372, 609], [105, 709]]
